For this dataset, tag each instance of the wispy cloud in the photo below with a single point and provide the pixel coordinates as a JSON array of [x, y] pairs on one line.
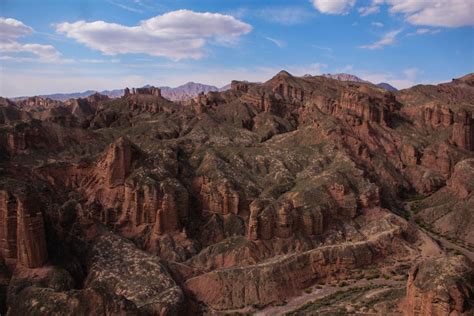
[[100, 61], [125, 7], [279, 14], [411, 73], [286, 15], [345, 69], [277, 42], [364, 11], [424, 31], [325, 51], [377, 24], [386, 40], [323, 48]]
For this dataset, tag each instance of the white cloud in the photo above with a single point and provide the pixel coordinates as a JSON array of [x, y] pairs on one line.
[[377, 24], [388, 39], [364, 11], [277, 42], [11, 29], [333, 6], [44, 52], [447, 13], [176, 35], [11, 49]]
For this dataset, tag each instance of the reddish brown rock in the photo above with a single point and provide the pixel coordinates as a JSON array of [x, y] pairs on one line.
[[462, 180], [312, 222], [274, 281], [217, 197], [409, 155], [22, 235], [318, 159], [116, 164], [363, 107], [436, 116], [277, 279], [438, 158], [242, 86], [441, 287], [24, 139], [147, 90], [463, 130], [39, 103], [345, 199], [282, 220]]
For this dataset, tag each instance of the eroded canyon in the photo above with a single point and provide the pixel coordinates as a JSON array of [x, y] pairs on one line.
[[302, 195]]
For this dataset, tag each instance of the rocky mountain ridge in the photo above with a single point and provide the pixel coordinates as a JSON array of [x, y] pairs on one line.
[[240, 201], [349, 77]]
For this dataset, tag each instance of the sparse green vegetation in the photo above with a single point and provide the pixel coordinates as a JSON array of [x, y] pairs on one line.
[[315, 307]]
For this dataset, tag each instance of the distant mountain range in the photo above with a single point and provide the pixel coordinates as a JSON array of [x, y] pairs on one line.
[[189, 90], [186, 91], [183, 92], [349, 77]]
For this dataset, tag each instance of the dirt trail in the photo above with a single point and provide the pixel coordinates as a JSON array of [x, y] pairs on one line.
[[298, 301], [445, 244]]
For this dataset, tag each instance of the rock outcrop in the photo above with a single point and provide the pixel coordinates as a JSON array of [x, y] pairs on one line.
[[146, 90], [22, 234], [116, 164], [118, 268], [242, 86], [461, 182], [441, 286], [438, 116], [282, 220], [463, 130], [217, 197], [122, 280], [270, 282]]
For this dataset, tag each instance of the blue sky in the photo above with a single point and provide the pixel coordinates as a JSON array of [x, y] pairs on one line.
[[68, 46]]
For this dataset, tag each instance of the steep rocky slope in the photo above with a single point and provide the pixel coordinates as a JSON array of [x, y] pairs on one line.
[[235, 201]]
